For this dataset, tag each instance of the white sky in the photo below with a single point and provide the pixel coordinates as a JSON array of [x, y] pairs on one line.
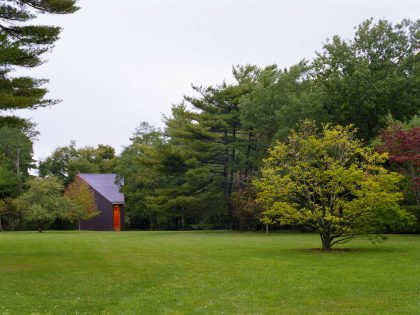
[[120, 62]]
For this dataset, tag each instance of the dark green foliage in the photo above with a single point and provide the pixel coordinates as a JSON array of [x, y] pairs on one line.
[[10, 215], [279, 99], [214, 151], [160, 184], [414, 209], [22, 45], [188, 178], [16, 157], [65, 162], [137, 165], [43, 202], [375, 74], [16, 160], [198, 172]]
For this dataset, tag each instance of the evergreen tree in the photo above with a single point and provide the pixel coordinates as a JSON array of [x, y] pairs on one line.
[[211, 142], [199, 171], [22, 45], [138, 167], [16, 160], [16, 155]]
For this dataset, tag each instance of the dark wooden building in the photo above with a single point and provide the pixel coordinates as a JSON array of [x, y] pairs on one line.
[[109, 201]]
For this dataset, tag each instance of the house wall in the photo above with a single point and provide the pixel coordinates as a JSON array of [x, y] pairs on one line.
[[105, 220]]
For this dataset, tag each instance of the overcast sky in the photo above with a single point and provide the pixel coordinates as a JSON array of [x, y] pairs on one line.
[[120, 62]]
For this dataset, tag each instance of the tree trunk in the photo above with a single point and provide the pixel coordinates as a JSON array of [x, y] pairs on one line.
[[79, 225], [150, 222], [40, 228], [1, 227], [326, 242], [182, 220], [226, 191], [18, 170], [232, 162], [248, 155], [227, 176]]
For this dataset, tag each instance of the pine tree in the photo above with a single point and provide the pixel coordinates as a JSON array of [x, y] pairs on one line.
[[22, 45], [211, 145]]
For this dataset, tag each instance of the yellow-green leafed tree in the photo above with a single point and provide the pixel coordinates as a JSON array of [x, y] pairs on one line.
[[83, 206], [325, 179]]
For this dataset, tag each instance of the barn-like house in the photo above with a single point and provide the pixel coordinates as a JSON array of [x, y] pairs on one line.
[[109, 201]]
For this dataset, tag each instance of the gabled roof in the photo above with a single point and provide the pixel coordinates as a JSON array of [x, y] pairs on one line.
[[106, 185]]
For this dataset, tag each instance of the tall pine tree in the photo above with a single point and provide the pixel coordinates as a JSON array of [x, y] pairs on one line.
[[22, 45]]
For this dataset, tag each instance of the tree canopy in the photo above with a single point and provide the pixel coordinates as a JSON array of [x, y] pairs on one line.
[[65, 162], [197, 172], [403, 146], [43, 202], [325, 179], [199, 169], [83, 206], [375, 74], [16, 157], [22, 44]]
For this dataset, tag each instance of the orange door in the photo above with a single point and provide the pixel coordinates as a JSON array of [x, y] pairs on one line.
[[117, 218]]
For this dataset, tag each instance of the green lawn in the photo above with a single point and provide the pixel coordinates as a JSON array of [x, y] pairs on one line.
[[204, 273]]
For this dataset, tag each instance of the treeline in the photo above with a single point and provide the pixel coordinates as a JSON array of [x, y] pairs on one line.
[[197, 172], [22, 45]]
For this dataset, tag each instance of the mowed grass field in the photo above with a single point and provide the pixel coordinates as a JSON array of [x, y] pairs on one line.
[[204, 273]]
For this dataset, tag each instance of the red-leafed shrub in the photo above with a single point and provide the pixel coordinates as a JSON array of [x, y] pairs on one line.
[[403, 147]]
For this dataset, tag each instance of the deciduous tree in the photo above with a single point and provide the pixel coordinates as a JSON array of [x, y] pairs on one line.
[[325, 179], [83, 206], [376, 73], [403, 147], [67, 161], [43, 202], [9, 213], [402, 141]]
